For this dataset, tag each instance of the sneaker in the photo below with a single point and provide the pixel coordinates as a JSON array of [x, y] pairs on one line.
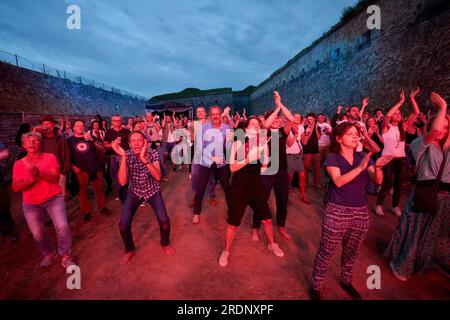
[[224, 257], [275, 248], [142, 205], [396, 275], [315, 294], [397, 211], [67, 262], [379, 211], [87, 217], [48, 260], [117, 199], [352, 292], [105, 211], [196, 219]]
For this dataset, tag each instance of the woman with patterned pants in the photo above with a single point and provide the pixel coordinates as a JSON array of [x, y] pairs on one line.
[[346, 217]]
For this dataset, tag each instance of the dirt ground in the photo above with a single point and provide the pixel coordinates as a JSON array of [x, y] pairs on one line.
[[193, 272]]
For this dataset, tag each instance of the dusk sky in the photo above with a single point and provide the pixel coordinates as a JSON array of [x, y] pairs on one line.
[[154, 47]]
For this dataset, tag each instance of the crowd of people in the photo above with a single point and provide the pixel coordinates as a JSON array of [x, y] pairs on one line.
[[358, 152]]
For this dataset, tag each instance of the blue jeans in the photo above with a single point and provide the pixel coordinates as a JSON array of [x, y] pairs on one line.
[[56, 209], [195, 171], [114, 170], [129, 210]]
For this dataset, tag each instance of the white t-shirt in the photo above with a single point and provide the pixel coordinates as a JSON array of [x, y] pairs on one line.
[[324, 140], [296, 147], [170, 137]]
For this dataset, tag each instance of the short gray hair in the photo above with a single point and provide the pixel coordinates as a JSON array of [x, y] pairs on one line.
[[31, 134]]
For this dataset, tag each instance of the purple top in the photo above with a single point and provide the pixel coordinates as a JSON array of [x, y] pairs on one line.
[[352, 194]]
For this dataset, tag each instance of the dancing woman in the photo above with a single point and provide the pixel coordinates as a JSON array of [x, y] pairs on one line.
[[247, 188], [394, 132], [346, 217], [422, 238]]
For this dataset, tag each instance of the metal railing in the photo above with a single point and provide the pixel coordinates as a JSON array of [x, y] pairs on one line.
[[18, 61]]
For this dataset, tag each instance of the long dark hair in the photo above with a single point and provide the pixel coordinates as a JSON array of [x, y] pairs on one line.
[[339, 131]]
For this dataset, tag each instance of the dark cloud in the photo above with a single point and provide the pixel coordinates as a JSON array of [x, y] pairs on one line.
[[154, 47]]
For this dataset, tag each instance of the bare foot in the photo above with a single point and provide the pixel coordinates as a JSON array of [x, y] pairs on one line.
[[255, 235], [169, 250], [196, 219], [283, 233], [127, 257]]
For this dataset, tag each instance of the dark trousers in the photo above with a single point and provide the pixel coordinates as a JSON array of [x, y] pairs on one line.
[[114, 170], [203, 179], [247, 189], [393, 175], [129, 210], [280, 184]]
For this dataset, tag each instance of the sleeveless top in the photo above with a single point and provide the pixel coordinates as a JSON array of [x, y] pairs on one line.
[[392, 144], [251, 168]]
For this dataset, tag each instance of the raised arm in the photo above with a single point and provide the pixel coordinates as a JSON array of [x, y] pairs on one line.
[[122, 176], [285, 110], [365, 103], [439, 122], [335, 118], [416, 110], [272, 117], [153, 167], [391, 111]]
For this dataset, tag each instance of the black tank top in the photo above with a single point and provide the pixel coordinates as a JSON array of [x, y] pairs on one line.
[[253, 169], [410, 137]]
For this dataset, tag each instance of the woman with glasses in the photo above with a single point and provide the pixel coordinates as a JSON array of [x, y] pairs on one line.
[[346, 218], [394, 133]]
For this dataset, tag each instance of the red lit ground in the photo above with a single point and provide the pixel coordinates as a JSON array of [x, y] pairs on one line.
[[193, 272]]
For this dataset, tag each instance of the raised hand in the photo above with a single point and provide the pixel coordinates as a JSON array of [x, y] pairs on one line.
[[437, 100], [226, 110], [339, 109], [143, 153], [382, 161], [365, 102], [254, 154], [243, 112], [402, 96], [414, 93], [87, 136], [365, 161], [117, 148], [277, 98]]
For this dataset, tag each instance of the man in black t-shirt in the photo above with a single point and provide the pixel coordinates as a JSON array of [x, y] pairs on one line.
[[311, 153], [84, 163], [117, 132]]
